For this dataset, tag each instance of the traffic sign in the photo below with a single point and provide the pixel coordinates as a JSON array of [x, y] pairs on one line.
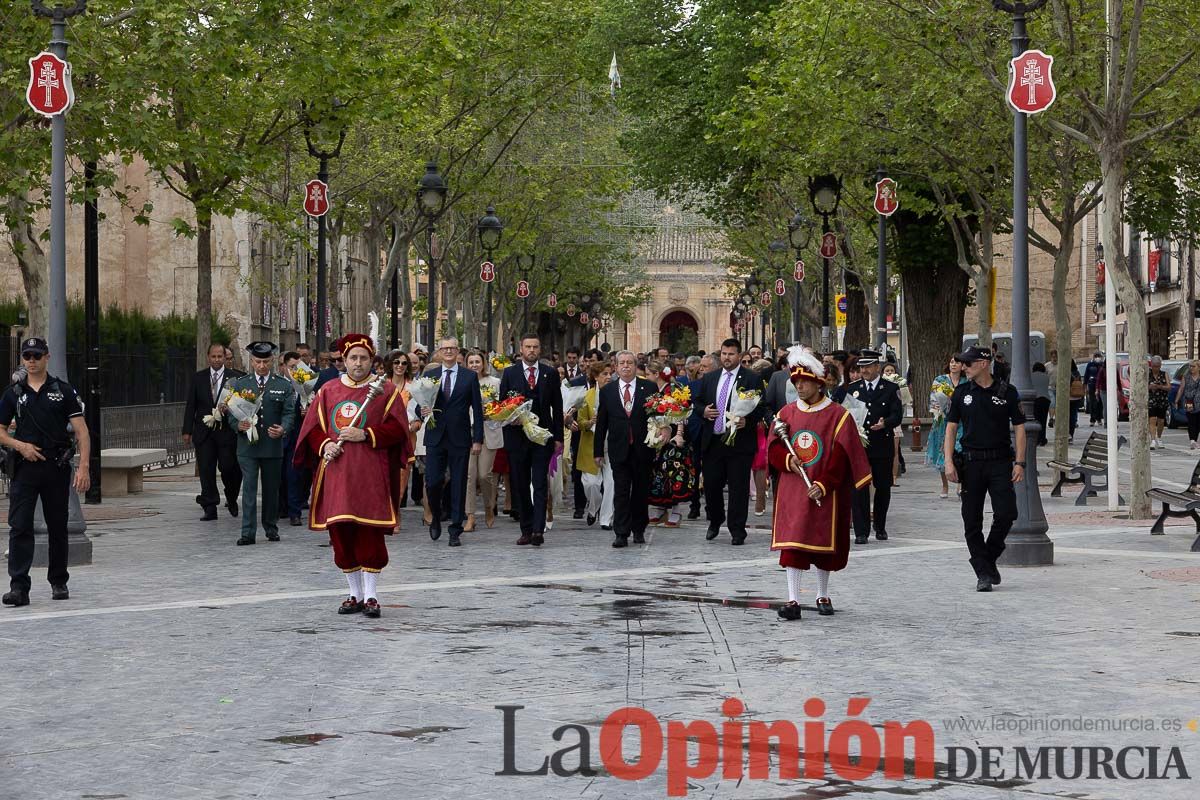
[[828, 245], [780, 287], [798, 273], [886, 200], [570, 309], [487, 272], [583, 318], [49, 92], [765, 298], [316, 198], [1031, 82], [841, 307], [522, 289], [552, 300]]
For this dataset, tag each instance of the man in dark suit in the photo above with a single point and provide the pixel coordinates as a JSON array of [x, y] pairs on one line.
[[727, 465], [529, 463], [214, 446], [884, 414], [621, 432], [335, 370], [451, 437]]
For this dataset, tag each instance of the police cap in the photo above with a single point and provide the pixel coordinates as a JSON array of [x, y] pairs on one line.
[[972, 354], [261, 349]]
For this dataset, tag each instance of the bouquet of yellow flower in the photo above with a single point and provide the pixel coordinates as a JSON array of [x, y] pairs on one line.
[[488, 393], [664, 409], [500, 362], [742, 403], [244, 405], [306, 381]]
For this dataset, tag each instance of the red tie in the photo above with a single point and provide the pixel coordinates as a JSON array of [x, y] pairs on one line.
[[629, 410], [532, 378]]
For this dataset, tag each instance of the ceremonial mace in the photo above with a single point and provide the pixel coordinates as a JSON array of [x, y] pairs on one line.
[[374, 389], [780, 429]]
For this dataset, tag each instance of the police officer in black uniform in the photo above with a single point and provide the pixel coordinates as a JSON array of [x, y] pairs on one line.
[[885, 412], [40, 452], [987, 408]]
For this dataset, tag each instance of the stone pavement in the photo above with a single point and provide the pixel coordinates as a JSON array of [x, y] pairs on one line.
[[185, 667]]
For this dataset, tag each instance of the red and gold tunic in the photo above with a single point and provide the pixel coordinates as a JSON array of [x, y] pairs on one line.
[[826, 439], [355, 487]]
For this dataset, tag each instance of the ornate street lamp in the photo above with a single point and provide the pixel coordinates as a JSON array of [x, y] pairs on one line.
[[319, 132], [432, 192], [490, 229], [825, 194], [553, 274], [525, 264], [800, 230]]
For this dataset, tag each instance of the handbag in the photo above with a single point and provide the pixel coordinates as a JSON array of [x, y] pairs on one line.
[[1077, 389]]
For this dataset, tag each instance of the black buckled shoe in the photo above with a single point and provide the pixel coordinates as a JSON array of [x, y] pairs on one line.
[[272, 537], [591, 520], [60, 592], [824, 606], [790, 612], [371, 609], [15, 598], [350, 606]]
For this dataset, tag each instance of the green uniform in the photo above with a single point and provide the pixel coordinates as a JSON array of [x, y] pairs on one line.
[[265, 455]]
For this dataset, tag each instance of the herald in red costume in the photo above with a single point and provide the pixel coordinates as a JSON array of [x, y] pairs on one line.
[[352, 494], [826, 443]]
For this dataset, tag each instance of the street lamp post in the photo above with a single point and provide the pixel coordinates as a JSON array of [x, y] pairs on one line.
[[490, 230], [323, 154], [799, 234], [525, 263], [431, 201], [881, 304], [1028, 544], [774, 249], [825, 194], [552, 273]]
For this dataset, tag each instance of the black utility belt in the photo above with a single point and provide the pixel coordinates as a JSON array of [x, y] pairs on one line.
[[1002, 454]]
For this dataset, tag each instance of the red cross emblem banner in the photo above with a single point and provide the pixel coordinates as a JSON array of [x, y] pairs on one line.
[[886, 199], [49, 92], [316, 198], [1031, 82]]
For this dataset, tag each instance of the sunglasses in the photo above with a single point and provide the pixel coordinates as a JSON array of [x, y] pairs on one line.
[[32, 356]]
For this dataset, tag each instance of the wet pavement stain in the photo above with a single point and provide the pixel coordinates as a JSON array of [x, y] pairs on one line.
[[417, 733], [304, 738], [102, 796]]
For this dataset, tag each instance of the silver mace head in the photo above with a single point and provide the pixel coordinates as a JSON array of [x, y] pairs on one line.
[[375, 387], [780, 428]]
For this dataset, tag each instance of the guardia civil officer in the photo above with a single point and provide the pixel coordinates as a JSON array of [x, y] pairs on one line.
[[987, 408], [41, 450], [885, 412], [263, 456]]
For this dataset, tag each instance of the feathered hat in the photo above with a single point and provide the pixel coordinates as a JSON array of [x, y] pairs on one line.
[[352, 340], [804, 364]]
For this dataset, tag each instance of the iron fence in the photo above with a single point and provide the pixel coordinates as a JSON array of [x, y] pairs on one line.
[[125, 378]]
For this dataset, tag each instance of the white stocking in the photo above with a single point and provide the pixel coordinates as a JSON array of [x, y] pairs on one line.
[[823, 583], [793, 579], [369, 579], [355, 581]]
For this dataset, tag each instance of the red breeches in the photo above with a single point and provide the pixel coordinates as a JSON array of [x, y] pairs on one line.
[[358, 547]]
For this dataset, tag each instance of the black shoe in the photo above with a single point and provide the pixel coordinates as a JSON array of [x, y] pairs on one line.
[[294, 521], [639, 538], [861, 539], [577, 515], [455, 541], [824, 606], [15, 598], [790, 612], [739, 540], [618, 541], [693, 515], [210, 513], [591, 520], [60, 592], [233, 508], [525, 539], [606, 527], [371, 609], [995, 575], [538, 539], [984, 584], [881, 535], [435, 530], [272, 537], [350, 606], [713, 532], [244, 541]]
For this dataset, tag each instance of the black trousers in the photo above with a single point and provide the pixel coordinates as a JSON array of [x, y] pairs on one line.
[[631, 493], [577, 477], [51, 483], [723, 467], [1095, 406], [1193, 425], [1041, 412], [530, 466], [979, 479], [216, 451], [881, 479], [437, 460]]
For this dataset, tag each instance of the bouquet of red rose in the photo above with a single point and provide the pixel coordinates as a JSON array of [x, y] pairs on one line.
[[663, 409]]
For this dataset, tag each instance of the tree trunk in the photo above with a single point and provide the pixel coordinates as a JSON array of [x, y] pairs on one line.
[[32, 260], [932, 333], [1062, 329], [1112, 168], [203, 283], [984, 279], [858, 324]]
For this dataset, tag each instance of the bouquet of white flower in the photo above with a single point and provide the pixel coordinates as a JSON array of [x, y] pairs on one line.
[[572, 397], [215, 419], [424, 393], [528, 421], [741, 404], [245, 405]]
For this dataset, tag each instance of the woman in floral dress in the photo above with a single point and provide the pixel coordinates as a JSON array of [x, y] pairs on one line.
[[939, 404], [673, 480]]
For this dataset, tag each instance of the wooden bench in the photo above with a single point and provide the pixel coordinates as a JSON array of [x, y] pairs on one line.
[[121, 468], [1185, 502], [1091, 465]]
